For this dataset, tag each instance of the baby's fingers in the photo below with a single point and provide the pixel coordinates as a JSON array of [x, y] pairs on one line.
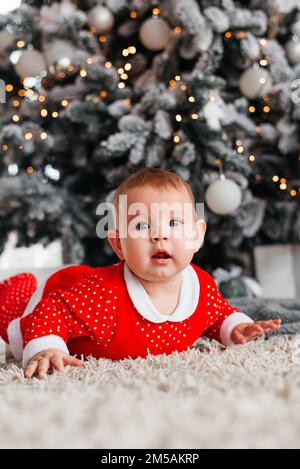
[[30, 369], [43, 367], [270, 324], [69, 360], [253, 330], [58, 363], [238, 337]]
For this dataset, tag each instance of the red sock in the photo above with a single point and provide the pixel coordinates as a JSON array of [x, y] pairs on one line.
[[15, 292]]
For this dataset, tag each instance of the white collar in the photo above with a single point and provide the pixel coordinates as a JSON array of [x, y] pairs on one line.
[[188, 298]]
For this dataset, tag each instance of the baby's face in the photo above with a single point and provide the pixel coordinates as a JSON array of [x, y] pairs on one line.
[[153, 220]]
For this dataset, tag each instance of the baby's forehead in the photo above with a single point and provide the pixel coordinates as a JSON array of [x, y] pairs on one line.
[[152, 202], [148, 195]]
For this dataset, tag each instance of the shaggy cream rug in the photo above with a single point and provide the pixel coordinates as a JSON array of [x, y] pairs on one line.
[[208, 397]]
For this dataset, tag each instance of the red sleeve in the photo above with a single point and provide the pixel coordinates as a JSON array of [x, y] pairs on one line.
[[218, 309], [53, 315], [88, 308]]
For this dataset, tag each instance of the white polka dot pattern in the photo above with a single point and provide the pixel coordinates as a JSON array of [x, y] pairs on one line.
[[160, 337], [218, 309], [15, 292], [86, 309]]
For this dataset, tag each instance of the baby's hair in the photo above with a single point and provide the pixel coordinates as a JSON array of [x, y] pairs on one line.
[[157, 178]]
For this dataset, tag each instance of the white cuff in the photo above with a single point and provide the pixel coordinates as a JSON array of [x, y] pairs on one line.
[[229, 324], [43, 343]]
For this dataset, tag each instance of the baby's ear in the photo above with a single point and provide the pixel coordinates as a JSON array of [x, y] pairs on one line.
[[114, 240]]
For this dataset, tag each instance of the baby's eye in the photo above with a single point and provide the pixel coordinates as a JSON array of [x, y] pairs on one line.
[[141, 224], [177, 222]]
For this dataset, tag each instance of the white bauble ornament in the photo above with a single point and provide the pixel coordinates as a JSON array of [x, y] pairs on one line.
[[293, 50], [6, 40], [223, 196], [101, 18], [155, 33], [30, 64], [59, 53], [255, 82]]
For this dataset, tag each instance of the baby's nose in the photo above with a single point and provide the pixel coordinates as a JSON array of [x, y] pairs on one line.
[[161, 233]]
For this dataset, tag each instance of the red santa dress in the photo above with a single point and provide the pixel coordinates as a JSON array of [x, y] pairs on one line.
[[106, 312]]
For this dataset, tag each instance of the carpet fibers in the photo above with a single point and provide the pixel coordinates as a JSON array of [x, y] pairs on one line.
[[245, 396]]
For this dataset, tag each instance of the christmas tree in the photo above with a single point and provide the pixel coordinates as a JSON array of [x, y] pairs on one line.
[[93, 90]]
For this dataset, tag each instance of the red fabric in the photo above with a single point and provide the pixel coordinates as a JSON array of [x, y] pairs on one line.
[[95, 316], [15, 292]]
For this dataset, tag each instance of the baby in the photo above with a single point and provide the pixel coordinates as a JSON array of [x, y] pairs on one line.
[[154, 300]]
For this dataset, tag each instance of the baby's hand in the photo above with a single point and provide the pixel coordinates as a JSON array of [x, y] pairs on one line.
[[246, 332], [41, 362]]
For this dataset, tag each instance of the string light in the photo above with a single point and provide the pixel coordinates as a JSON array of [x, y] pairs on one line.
[[120, 70], [127, 66], [252, 158], [266, 109], [102, 39], [12, 169], [20, 43], [108, 64], [15, 118], [54, 114], [293, 192], [64, 102], [28, 136], [29, 169], [176, 138], [283, 186], [251, 109], [29, 93], [156, 11], [240, 35], [228, 34], [133, 15], [132, 50], [194, 116], [9, 88], [178, 117], [183, 87], [44, 112], [238, 142], [240, 149], [121, 85], [16, 103], [42, 99], [103, 93], [125, 52], [44, 135], [172, 83], [124, 76], [177, 78], [4, 147], [191, 99], [177, 29], [83, 73], [263, 62], [262, 42], [275, 178]]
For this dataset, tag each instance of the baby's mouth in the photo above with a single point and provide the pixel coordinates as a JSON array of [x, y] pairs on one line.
[[161, 254]]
